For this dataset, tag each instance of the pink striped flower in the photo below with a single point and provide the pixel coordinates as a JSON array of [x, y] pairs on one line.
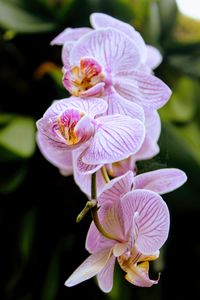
[[137, 222], [112, 62], [76, 124]]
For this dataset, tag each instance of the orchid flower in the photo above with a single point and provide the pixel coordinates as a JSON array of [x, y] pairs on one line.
[[148, 150], [137, 223], [75, 124], [151, 57], [108, 62]]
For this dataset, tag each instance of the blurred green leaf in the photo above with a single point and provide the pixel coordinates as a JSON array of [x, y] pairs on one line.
[[18, 136], [51, 283], [168, 13], [190, 135], [152, 26], [182, 105], [187, 64], [9, 182], [184, 138], [14, 17], [26, 235]]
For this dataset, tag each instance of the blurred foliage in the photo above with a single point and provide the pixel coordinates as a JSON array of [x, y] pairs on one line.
[[41, 243]]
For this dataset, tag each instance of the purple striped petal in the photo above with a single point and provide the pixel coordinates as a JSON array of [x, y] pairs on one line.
[[100, 20], [113, 49], [89, 268], [60, 158], [70, 35], [105, 276], [81, 166], [119, 105], [95, 241], [66, 53], [146, 215], [161, 181], [116, 138], [91, 106], [116, 189], [143, 89]]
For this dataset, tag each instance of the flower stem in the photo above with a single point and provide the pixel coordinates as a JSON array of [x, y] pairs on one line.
[[87, 207], [105, 174], [94, 210]]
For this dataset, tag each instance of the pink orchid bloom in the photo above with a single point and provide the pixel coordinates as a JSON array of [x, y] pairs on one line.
[[151, 57], [138, 222], [67, 163], [109, 62], [75, 124]]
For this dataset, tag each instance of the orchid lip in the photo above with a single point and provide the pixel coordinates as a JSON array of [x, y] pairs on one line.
[[79, 79]]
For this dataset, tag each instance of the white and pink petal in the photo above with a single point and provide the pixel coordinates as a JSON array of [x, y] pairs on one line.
[[89, 268], [70, 35], [60, 158], [161, 181], [146, 215], [105, 276], [116, 189], [144, 89], [116, 138], [113, 49]]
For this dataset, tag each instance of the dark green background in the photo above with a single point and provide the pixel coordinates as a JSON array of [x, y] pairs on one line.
[[40, 243]]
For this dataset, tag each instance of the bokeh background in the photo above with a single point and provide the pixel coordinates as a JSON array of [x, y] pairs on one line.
[[41, 244]]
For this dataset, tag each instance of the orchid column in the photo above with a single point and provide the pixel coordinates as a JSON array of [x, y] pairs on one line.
[[100, 132]]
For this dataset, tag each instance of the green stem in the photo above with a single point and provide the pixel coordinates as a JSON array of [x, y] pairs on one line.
[[105, 174], [94, 210], [87, 207]]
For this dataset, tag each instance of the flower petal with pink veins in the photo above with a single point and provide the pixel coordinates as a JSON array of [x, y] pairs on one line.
[[89, 268], [59, 158], [95, 241], [116, 138], [119, 105], [154, 58], [70, 35], [81, 166], [144, 89], [113, 49], [160, 181], [147, 215], [105, 276], [65, 54], [100, 20], [116, 189], [91, 107]]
